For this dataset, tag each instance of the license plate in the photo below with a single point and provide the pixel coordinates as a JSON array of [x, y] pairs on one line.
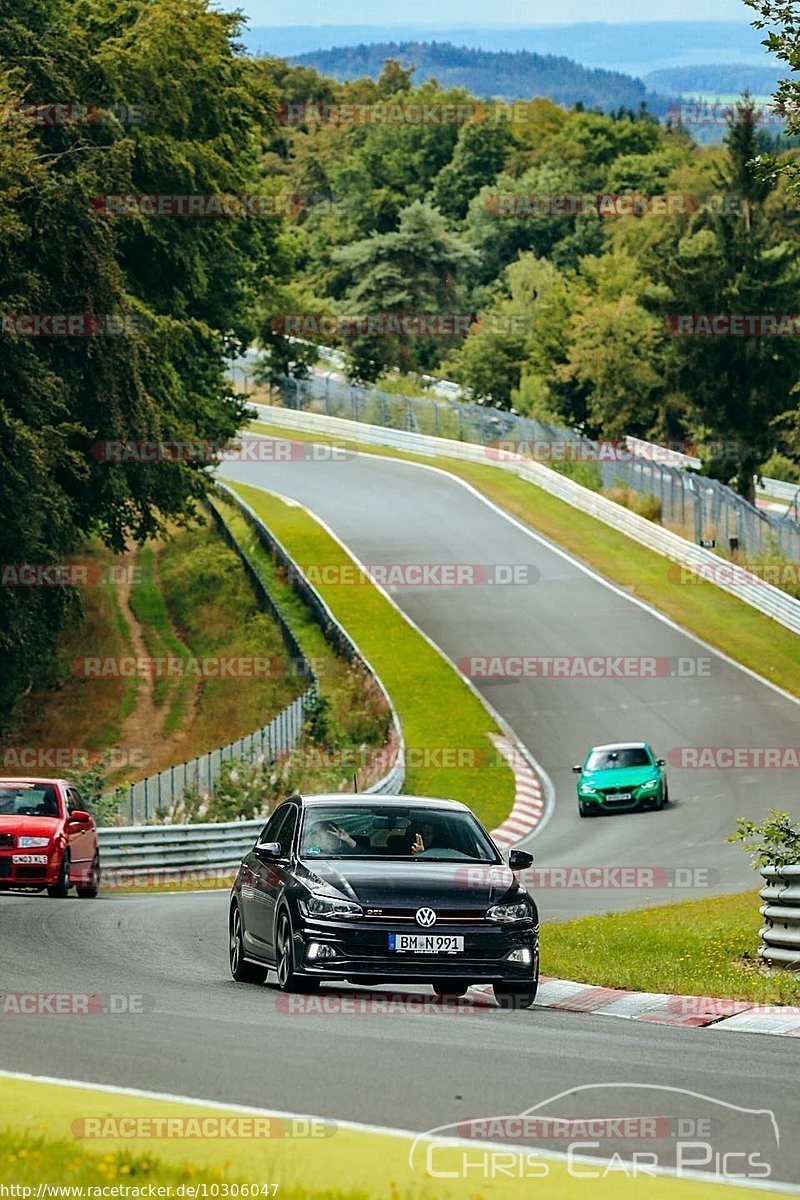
[[624, 796], [426, 943], [30, 858]]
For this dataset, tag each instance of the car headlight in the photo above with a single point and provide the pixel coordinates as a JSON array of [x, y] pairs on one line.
[[650, 783], [587, 787], [329, 906], [26, 843], [508, 912]]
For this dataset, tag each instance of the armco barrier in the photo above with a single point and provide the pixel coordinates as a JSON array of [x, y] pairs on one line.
[[780, 937], [334, 633], [282, 734], [165, 851], [765, 598]]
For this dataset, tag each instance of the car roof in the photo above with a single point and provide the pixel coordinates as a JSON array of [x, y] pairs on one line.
[[10, 780], [623, 746], [373, 801]]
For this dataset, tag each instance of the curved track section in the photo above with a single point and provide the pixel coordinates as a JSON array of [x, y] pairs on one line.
[[387, 511]]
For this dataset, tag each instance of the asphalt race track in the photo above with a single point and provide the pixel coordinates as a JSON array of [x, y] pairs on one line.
[[386, 511], [202, 1035]]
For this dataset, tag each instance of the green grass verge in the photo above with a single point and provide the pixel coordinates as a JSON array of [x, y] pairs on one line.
[[358, 715], [210, 606], [718, 618], [84, 714], [150, 609], [441, 717], [41, 1145], [710, 947]]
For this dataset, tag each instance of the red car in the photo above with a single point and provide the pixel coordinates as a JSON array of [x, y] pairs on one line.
[[47, 838]]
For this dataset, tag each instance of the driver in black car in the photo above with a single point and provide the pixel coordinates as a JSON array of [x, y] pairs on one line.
[[423, 838], [329, 838]]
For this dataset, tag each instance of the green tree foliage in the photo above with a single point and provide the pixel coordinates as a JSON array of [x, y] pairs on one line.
[[180, 289], [417, 269]]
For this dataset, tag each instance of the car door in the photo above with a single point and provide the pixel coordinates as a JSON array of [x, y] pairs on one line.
[[270, 880], [80, 836]]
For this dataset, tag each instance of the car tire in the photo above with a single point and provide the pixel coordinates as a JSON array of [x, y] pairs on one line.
[[241, 970], [666, 795], [518, 995], [60, 889], [288, 979], [455, 987], [88, 891]]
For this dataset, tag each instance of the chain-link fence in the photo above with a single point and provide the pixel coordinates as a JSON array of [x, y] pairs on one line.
[[690, 504], [141, 801]]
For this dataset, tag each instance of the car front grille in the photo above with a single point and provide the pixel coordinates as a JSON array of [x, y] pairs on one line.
[[22, 871], [6, 841], [409, 915]]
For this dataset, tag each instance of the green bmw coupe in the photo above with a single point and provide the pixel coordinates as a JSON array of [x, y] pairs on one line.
[[621, 778]]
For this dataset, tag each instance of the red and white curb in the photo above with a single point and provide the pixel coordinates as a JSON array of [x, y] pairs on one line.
[[528, 799], [661, 1008]]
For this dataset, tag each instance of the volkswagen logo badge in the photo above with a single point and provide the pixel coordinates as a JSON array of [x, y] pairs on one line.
[[426, 917]]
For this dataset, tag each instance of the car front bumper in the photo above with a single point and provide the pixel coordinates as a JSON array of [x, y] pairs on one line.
[[611, 803], [361, 951], [16, 874]]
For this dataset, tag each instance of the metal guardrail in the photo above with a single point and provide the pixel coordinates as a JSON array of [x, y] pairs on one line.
[[165, 852], [762, 596], [335, 634], [780, 936], [693, 505], [146, 796]]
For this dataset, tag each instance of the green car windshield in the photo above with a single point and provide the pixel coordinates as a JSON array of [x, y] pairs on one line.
[[607, 760]]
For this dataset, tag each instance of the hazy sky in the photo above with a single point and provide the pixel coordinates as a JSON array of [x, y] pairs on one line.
[[478, 12]]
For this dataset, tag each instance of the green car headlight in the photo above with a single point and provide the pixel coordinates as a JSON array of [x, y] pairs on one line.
[[586, 788], [650, 783]]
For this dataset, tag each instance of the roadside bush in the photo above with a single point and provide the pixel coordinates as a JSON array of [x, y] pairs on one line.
[[642, 503], [773, 842]]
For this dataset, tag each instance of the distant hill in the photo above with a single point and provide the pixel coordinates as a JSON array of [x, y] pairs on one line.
[[715, 78], [487, 73], [634, 48]]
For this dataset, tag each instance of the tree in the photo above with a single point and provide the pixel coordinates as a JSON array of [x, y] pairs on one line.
[[179, 291], [417, 269], [479, 154], [730, 262]]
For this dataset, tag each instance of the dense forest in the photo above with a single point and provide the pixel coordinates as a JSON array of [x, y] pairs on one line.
[[172, 201], [491, 73]]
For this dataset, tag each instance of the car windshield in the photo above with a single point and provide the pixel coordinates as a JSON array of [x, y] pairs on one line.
[[28, 800], [339, 831], [607, 760]]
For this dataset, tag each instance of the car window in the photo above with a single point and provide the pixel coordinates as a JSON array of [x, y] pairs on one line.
[[74, 802], [285, 832], [338, 831], [268, 832], [28, 800], [608, 760]]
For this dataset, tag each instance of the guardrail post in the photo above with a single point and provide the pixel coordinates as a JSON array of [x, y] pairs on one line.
[[780, 936]]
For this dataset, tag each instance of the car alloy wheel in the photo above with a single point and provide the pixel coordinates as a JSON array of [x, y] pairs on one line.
[[88, 891], [60, 888], [519, 995], [288, 979], [242, 971]]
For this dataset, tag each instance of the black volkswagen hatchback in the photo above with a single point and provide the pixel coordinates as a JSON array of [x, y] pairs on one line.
[[371, 889]]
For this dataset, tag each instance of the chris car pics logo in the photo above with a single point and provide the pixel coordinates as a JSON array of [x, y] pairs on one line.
[[606, 1131]]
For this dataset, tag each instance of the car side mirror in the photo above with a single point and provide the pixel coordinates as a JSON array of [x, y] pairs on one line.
[[661, 762], [577, 769], [81, 816], [268, 851], [519, 860]]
